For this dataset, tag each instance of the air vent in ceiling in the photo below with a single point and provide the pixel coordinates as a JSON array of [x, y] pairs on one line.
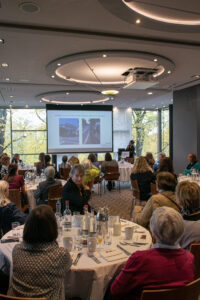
[[29, 7]]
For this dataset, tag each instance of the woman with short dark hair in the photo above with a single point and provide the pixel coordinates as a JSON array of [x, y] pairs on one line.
[[75, 191], [193, 164], [38, 262], [166, 184], [166, 165]]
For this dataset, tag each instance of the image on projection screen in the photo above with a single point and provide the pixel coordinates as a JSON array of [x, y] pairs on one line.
[[91, 131], [68, 131]]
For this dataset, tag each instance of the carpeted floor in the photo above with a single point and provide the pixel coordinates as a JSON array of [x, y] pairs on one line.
[[118, 203]]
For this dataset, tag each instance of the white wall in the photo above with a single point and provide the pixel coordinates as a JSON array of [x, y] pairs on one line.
[[122, 127]]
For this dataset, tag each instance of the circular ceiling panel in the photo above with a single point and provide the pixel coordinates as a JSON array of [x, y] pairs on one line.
[[103, 68], [73, 97], [180, 15]]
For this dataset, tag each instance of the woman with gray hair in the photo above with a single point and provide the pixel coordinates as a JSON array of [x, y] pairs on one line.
[[75, 191], [41, 194], [164, 266]]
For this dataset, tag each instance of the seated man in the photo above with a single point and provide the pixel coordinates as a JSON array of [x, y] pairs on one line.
[[41, 193]]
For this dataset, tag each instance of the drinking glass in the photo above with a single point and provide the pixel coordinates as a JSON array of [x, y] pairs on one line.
[[100, 240], [14, 226], [108, 238]]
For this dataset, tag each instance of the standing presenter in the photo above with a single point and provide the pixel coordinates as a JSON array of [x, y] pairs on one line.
[[131, 149]]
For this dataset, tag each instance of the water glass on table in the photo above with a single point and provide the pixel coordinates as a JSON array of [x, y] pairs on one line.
[[14, 226], [68, 243], [91, 244]]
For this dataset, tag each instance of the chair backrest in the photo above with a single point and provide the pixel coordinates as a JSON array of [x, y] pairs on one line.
[[195, 250], [111, 173], [136, 191], [64, 173], [129, 159], [153, 189], [15, 197], [54, 193], [38, 167], [189, 292], [5, 297]]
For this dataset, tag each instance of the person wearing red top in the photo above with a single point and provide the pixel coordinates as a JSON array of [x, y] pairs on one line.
[[164, 266], [14, 180]]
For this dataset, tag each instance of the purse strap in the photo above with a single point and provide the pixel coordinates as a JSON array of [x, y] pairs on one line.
[[174, 202]]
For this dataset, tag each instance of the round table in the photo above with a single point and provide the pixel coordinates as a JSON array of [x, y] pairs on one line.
[[88, 280], [125, 171]]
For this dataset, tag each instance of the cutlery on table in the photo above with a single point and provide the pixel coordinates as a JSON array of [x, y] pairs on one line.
[[124, 250], [77, 258], [97, 261]]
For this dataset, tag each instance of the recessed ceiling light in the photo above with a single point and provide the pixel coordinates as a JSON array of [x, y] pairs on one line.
[[26, 105], [169, 72], [7, 79], [59, 64], [155, 59], [110, 92], [150, 93], [143, 108], [67, 93], [11, 96], [2, 41], [52, 76], [10, 105], [40, 100], [138, 21], [196, 76], [104, 55], [4, 65]]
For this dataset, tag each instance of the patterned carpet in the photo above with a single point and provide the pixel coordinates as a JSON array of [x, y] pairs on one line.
[[118, 203]]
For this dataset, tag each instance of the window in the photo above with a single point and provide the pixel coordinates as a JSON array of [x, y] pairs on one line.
[[146, 126], [23, 131]]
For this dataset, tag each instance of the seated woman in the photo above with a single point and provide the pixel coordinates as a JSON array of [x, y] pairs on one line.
[[143, 173], [150, 159], [164, 266], [74, 191], [188, 197], [14, 180], [9, 212], [16, 159], [39, 265], [156, 165], [64, 163], [166, 165], [109, 162], [93, 158], [41, 194], [193, 164], [91, 172], [5, 161], [166, 184], [73, 160], [40, 165]]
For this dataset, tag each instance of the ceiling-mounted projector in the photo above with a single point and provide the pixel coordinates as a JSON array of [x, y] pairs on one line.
[[140, 78]]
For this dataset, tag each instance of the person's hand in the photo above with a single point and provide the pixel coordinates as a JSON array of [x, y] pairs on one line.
[[138, 209], [86, 187]]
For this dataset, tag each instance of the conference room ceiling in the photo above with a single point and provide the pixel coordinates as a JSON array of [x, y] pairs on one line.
[[32, 40]]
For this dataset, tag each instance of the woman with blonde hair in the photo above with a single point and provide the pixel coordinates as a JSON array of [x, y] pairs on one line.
[[91, 172], [8, 211], [143, 173]]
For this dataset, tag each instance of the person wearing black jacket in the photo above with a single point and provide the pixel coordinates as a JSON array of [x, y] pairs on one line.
[[131, 149], [9, 212], [75, 192]]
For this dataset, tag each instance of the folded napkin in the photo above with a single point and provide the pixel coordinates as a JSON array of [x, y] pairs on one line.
[[112, 255]]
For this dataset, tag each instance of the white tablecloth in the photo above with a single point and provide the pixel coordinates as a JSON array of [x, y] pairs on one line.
[[125, 171], [87, 280], [30, 190]]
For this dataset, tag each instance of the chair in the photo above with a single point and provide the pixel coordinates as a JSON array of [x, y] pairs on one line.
[[189, 292], [5, 297], [15, 197], [98, 180], [38, 167], [153, 189], [129, 159], [64, 173], [112, 174], [195, 250], [54, 194]]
